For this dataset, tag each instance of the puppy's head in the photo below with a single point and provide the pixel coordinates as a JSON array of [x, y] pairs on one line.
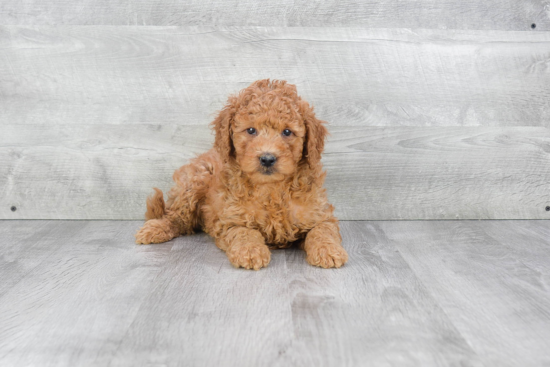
[[269, 131]]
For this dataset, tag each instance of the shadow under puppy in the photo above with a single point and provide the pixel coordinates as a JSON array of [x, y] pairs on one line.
[[260, 187]]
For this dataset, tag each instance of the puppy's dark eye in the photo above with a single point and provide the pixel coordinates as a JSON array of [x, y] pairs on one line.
[[287, 132], [251, 131]]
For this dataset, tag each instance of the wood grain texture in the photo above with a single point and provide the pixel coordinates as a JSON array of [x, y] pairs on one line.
[[372, 313], [107, 171], [76, 305], [446, 14], [28, 244], [223, 316], [496, 273], [183, 75], [439, 173], [101, 303], [440, 293]]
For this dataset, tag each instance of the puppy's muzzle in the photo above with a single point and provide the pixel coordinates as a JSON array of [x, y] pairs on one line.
[[267, 160]]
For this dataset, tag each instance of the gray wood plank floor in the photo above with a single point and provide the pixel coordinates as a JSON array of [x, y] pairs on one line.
[[430, 293]]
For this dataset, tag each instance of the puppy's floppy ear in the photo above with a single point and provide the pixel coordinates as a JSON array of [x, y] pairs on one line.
[[316, 133], [222, 128]]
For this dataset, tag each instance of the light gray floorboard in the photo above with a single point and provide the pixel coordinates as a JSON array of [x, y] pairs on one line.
[[80, 299], [107, 171], [353, 76], [204, 312], [491, 278], [29, 243], [371, 312], [413, 293], [445, 14]]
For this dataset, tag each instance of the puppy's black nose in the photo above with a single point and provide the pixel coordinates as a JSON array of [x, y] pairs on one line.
[[267, 160]]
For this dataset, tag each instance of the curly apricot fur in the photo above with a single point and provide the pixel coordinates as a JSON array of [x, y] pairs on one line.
[[246, 206]]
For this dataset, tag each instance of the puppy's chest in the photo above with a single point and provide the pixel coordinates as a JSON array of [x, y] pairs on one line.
[[280, 221]]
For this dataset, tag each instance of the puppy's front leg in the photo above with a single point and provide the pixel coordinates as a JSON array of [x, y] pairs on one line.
[[245, 248], [323, 246]]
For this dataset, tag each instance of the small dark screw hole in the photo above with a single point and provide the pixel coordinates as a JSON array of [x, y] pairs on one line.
[[13, 208], [533, 26], [548, 208]]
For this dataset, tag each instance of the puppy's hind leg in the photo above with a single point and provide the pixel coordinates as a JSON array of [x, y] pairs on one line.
[[180, 215], [158, 228]]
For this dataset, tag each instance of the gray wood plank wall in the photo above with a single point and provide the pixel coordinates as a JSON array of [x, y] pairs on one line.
[[360, 77], [106, 171], [439, 14], [437, 111]]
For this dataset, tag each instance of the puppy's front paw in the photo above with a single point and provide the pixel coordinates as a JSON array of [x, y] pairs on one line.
[[326, 256], [249, 256], [154, 231]]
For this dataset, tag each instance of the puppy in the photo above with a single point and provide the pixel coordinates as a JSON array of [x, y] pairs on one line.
[[260, 187]]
